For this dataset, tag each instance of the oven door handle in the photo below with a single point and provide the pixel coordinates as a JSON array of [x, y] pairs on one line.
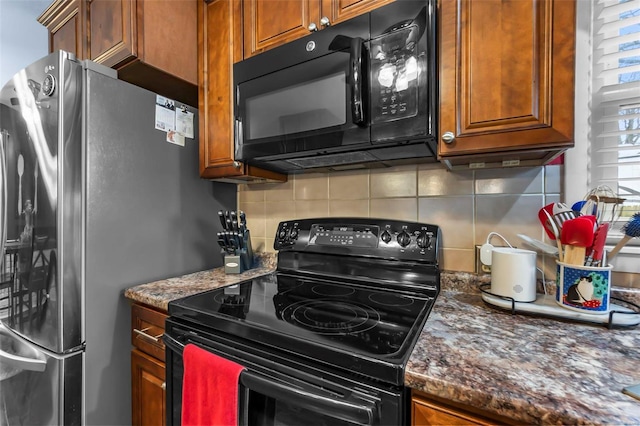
[[357, 413], [173, 344]]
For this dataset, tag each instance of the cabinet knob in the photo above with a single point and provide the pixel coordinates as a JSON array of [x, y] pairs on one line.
[[448, 137], [324, 21], [237, 164], [164, 385], [312, 27]]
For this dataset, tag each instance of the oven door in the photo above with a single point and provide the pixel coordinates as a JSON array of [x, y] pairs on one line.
[[274, 390], [312, 106]]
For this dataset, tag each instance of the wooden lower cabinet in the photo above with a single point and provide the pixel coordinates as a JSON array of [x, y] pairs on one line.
[[148, 381], [427, 411], [147, 389]]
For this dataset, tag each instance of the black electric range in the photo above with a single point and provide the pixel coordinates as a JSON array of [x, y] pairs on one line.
[[349, 294]]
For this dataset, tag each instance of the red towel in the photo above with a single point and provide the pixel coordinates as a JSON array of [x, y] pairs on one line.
[[209, 388]]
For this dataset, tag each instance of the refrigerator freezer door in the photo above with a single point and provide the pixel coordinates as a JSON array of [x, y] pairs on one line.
[[41, 124], [32, 384]]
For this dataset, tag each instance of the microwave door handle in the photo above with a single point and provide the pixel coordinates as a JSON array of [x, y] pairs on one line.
[[363, 414], [356, 81], [238, 139]]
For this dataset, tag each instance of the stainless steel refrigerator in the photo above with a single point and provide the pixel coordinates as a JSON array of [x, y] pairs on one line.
[[94, 200]]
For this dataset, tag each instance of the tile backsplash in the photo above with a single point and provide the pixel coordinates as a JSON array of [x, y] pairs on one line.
[[466, 205]]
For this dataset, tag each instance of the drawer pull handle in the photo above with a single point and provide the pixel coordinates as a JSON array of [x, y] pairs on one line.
[[142, 333]]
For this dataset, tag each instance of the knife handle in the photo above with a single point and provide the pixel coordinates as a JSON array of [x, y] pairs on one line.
[[222, 220]]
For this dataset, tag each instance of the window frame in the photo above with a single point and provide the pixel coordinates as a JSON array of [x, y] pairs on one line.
[[576, 176]]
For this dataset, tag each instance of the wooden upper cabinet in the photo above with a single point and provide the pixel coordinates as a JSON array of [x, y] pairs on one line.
[[152, 43], [65, 21], [112, 28], [341, 10], [506, 81], [219, 42], [268, 24]]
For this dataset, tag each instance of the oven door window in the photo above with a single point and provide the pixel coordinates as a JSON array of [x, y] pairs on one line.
[[265, 410], [302, 108]]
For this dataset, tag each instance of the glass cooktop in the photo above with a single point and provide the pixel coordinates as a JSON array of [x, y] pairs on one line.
[[310, 316]]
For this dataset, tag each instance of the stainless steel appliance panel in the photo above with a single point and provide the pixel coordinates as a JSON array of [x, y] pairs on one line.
[[29, 373], [95, 200], [41, 126]]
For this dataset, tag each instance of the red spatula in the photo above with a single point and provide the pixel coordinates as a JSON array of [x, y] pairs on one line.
[[595, 252], [577, 235]]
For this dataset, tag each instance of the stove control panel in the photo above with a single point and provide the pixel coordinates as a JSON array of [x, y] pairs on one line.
[[388, 239]]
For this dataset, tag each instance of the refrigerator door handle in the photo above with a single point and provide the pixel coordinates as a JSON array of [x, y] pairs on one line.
[[3, 194], [36, 361]]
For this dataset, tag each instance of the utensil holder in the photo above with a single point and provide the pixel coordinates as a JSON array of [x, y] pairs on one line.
[[583, 288]]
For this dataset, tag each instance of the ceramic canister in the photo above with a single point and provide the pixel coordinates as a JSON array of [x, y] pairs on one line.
[[583, 288], [513, 273]]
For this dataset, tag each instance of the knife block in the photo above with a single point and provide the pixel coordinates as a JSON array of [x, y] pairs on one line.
[[242, 259]]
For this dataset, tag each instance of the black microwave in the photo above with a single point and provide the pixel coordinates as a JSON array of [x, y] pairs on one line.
[[359, 94]]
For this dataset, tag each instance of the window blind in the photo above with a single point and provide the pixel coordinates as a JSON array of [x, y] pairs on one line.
[[615, 103]]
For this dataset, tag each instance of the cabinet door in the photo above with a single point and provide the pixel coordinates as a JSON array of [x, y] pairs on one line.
[[219, 41], [268, 24], [112, 27], [341, 10], [65, 21], [147, 390], [506, 80], [425, 413]]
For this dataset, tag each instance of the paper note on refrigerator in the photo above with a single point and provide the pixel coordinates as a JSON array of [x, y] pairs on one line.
[[165, 113], [184, 122]]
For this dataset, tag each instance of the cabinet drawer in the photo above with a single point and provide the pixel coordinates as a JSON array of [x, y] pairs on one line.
[[147, 328]]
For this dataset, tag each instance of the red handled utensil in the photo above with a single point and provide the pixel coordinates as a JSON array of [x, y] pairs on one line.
[[596, 251], [577, 234], [545, 216]]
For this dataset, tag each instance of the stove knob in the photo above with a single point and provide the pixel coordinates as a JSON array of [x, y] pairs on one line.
[[404, 239], [283, 233], [294, 234], [423, 240], [386, 237]]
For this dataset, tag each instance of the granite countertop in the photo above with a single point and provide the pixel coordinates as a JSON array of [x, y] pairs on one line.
[[159, 293], [534, 370]]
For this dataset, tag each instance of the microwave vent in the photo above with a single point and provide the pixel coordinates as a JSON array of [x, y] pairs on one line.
[[332, 160]]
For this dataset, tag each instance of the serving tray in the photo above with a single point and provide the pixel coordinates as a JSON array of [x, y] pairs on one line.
[[545, 305]]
